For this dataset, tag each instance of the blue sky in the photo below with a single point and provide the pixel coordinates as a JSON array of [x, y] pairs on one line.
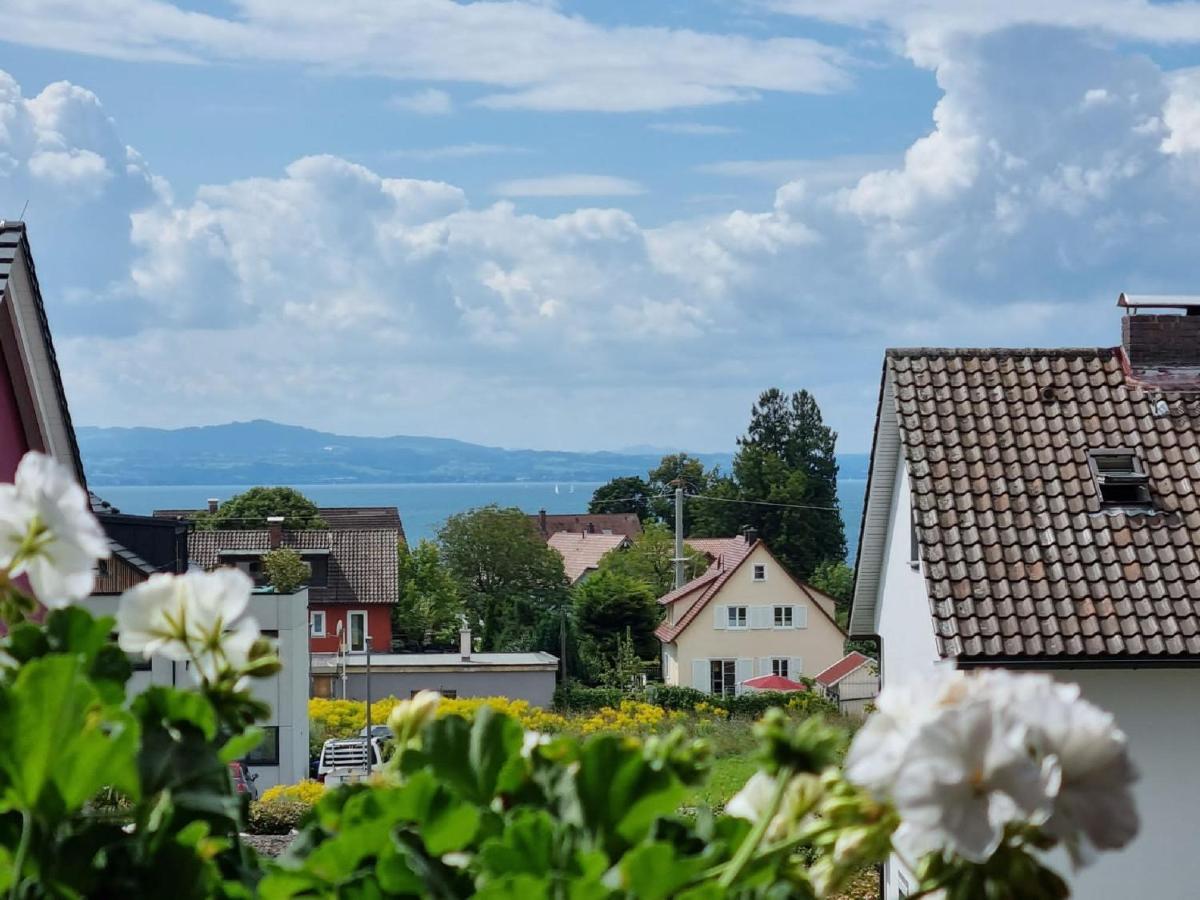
[[582, 224]]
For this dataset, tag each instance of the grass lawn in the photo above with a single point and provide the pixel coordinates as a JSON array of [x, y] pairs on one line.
[[728, 775]]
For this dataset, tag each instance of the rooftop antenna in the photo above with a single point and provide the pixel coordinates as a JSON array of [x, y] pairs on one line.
[[21, 218]]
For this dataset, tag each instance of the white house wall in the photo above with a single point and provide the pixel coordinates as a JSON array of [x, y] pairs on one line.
[[904, 623]]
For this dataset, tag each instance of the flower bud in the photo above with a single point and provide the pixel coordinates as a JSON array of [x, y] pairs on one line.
[[408, 717]]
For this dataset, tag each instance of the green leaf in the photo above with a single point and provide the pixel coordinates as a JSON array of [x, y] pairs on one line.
[[654, 872], [526, 844], [61, 740], [479, 759], [520, 886], [170, 706], [450, 828], [241, 744], [619, 792]]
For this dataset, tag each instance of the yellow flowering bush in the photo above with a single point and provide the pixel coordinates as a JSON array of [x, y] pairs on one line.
[[706, 710], [307, 792], [345, 718], [632, 716], [533, 717]]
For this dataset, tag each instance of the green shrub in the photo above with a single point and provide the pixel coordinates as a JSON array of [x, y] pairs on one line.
[[574, 697], [278, 816], [683, 698]]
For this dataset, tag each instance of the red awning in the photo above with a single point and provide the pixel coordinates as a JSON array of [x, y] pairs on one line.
[[773, 683]]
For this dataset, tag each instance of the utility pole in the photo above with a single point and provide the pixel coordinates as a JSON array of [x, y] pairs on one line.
[[370, 754], [562, 637], [679, 574]]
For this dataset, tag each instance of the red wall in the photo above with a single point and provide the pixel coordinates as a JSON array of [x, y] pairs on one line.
[[12, 432], [379, 626]]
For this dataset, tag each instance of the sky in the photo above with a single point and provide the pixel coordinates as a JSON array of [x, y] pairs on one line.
[[582, 225]]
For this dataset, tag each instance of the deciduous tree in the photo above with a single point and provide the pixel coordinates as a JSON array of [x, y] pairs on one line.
[[249, 511], [429, 612], [512, 584]]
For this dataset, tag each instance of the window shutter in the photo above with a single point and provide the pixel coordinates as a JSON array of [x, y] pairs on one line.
[[799, 616], [745, 671], [761, 616], [700, 680], [720, 616], [764, 665], [796, 668]]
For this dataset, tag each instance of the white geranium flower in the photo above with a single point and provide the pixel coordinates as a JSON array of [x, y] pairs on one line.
[[967, 774], [189, 617], [754, 799], [152, 618], [228, 650], [48, 533]]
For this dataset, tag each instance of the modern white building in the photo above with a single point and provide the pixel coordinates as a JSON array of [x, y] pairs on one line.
[[282, 758], [1039, 510]]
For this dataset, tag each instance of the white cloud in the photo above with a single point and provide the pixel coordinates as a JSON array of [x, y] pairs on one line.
[[569, 186], [527, 55], [331, 295], [693, 129], [429, 102], [836, 170], [457, 151]]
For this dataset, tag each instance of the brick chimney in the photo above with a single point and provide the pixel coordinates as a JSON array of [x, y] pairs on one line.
[[1161, 343], [542, 521], [213, 504], [275, 531]]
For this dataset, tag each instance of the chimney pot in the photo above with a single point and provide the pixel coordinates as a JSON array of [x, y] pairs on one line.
[[213, 504], [275, 531], [542, 521], [464, 643]]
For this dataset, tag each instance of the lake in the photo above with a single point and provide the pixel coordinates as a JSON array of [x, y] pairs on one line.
[[423, 507]]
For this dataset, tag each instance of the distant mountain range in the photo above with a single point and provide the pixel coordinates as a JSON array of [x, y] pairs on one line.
[[265, 452]]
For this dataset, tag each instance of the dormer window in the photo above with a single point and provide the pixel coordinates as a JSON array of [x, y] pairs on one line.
[[1120, 479]]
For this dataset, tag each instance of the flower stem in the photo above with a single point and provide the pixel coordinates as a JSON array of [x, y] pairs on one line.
[[22, 851], [746, 851]]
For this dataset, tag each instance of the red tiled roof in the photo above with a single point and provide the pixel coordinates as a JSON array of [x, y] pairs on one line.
[[582, 552], [852, 662], [774, 683], [598, 523], [362, 565], [1020, 558], [732, 548]]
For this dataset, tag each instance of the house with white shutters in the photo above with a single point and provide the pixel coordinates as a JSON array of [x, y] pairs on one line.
[[746, 616]]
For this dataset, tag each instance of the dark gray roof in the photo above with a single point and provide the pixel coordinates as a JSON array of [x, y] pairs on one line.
[[362, 564], [338, 518]]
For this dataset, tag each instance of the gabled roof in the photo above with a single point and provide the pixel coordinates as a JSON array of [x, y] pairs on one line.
[[581, 553], [708, 585], [27, 350], [729, 548], [849, 663], [774, 683], [596, 523], [362, 565], [338, 518], [1020, 560]]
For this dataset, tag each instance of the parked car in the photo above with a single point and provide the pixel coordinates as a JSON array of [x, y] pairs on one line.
[[243, 779], [347, 760], [377, 731]]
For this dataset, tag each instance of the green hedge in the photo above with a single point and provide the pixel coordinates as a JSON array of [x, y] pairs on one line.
[[277, 816], [572, 697]]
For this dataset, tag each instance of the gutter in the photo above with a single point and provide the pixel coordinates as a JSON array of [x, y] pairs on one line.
[[1088, 662]]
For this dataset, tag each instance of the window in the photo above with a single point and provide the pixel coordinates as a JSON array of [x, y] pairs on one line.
[[446, 694], [783, 618], [356, 623], [316, 623], [1120, 478], [266, 753], [322, 686], [760, 573], [779, 666], [737, 617], [724, 676], [318, 571]]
